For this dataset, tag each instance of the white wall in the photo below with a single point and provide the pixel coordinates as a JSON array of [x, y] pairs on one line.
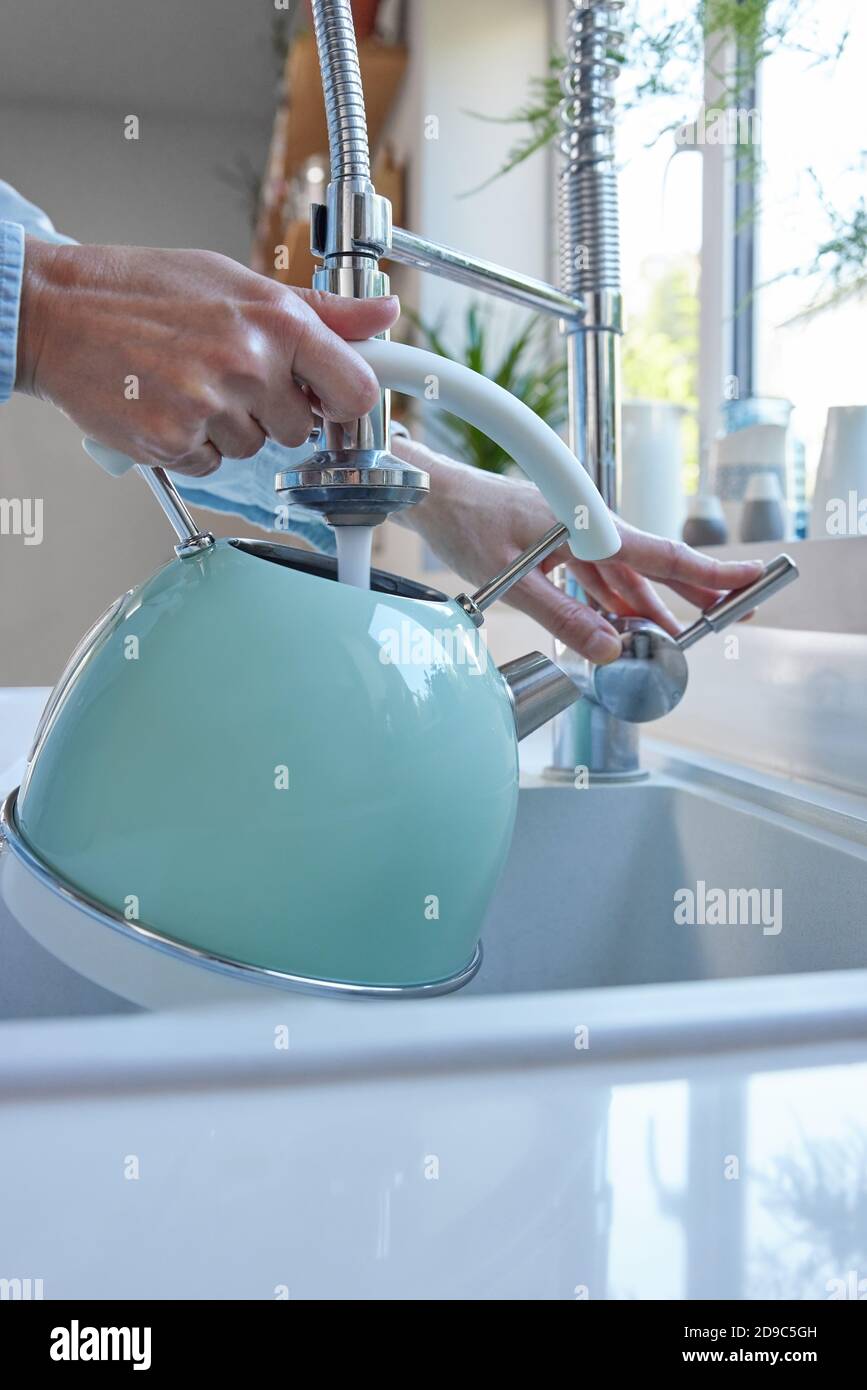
[[100, 536], [474, 58]]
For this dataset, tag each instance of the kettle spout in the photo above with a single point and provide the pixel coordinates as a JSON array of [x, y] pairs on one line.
[[540, 689]]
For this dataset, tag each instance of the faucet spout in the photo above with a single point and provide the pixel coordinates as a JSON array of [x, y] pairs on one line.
[[539, 690]]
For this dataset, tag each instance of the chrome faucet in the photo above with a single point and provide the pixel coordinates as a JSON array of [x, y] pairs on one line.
[[352, 478], [589, 246]]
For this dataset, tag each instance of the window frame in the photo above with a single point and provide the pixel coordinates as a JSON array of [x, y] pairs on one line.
[[728, 256]]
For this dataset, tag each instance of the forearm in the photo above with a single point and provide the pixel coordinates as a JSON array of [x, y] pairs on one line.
[[462, 518], [39, 262]]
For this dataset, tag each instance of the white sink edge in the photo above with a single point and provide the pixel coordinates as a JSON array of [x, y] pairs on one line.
[[231, 1045]]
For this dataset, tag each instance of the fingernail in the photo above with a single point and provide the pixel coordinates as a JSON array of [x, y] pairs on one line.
[[602, 647]]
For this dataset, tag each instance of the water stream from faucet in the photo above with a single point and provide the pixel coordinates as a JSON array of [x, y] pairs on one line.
[[354, 546]]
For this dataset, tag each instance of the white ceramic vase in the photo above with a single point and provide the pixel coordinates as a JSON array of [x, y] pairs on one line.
[[651, 490], [840, 494]]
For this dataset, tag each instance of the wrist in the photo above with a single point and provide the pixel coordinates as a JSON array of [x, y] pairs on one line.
[[33, 316], [444, 476]]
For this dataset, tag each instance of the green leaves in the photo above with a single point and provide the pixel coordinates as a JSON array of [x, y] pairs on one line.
[[665, 58], [529, 365], [540, 114], [840, 263]]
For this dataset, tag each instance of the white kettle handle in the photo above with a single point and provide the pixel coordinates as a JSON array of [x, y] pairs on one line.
[[525, 437]]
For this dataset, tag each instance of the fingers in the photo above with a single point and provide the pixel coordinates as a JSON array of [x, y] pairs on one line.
[[620, 590], [595, 586], [286, 414], [672, 560], [694, 594], [341, 380], [198, 463], [642, 598], [352, 318], [572, 623], [235, 435], [623, 591]]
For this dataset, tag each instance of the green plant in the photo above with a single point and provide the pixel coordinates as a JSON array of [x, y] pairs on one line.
[[525, 366], [539, 113], [840, 264], [666, 58]]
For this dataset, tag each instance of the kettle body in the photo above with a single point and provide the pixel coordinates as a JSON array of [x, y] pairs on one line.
[[281, 774]]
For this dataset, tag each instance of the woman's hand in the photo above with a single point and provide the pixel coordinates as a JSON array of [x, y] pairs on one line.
[[477, 522], [181, 357]]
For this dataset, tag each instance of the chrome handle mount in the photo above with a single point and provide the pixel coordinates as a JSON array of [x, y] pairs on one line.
[[474, 604], [191, 540], [650, 676]]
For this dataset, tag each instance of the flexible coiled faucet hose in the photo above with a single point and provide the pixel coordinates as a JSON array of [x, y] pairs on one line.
[[589, 221], [341, 83]]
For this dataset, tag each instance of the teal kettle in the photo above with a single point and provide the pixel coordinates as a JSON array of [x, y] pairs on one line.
[[254, 768]]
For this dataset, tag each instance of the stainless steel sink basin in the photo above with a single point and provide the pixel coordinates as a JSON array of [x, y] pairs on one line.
[[591, 892]]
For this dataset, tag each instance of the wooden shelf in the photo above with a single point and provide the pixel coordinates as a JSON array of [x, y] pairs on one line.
[[301, 131], [301, 262], [382, 68]]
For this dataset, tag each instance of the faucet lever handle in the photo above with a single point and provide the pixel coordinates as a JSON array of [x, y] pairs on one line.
[[739, 602]]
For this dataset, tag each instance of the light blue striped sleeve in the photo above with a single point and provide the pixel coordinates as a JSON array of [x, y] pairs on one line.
[[17, 217], [11, 267], [244, 487]]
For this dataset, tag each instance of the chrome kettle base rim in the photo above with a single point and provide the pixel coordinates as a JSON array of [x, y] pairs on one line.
[[10, 837]]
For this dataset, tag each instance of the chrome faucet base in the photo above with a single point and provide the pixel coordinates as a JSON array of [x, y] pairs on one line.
[[649, 678], [589, 740], [553, 773], [353, 487]]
